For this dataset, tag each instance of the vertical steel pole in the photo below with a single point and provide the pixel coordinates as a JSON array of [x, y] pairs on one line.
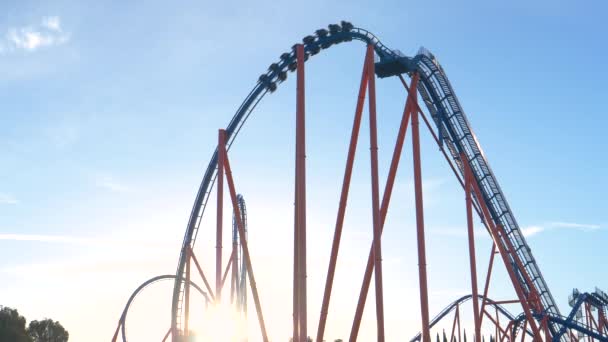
[[424, 299], [473, 264], [350, 159], [221, 142], [373, 137], [244, 244], [301, 184], [187, 296], [386, 198], [300, 195]]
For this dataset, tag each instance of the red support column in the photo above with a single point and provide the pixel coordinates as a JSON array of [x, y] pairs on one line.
[[245, 246], [343, 200], [300, 201], [424, 297], [221, 142], [373, 137], [388, 190], [469, 208], [187, 296]]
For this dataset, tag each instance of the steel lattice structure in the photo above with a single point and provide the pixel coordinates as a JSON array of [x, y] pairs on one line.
[[540, 319]]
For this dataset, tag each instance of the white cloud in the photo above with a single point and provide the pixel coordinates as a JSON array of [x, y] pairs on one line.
[[8, 199], [52, 23], [33, 37], [109, 183], [536, 229], [532, 230], [580, 226]]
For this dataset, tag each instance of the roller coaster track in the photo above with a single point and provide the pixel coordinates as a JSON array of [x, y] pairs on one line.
[[455, 135], [122, 322], [460, 301]]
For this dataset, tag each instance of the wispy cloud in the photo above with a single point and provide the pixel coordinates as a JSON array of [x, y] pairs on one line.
[[48, 32], [111, 184], [536, 229], [78, 240], [527, 231], [8, 199]]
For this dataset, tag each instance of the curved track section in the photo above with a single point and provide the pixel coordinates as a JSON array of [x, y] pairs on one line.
[[125, 311], [459, 301], [453, 127], [240, 288]]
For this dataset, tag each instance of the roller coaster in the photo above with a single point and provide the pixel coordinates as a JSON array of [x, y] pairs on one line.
[[540, 319]]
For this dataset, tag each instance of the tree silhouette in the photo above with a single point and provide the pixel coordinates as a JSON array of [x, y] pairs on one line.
[[47, 331], [12, 326]]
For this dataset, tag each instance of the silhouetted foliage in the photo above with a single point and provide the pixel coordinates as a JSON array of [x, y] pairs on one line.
[[47, 331], [12, 326]]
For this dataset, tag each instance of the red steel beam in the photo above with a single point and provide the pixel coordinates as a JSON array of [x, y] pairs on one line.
[[373, 141], [471, 234], [300, 196], [501, 302], [388, 190], [342, 206], [244, 244], [496, 323], [424, 297], [167, 335], [221, 143], [486, 288], [115, 337], [201, 273], [228, 268], [456, 319]]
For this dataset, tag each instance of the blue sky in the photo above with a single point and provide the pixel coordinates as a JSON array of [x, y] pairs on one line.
[[110, 112]]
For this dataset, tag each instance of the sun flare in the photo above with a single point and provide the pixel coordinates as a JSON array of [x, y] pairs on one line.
[[221, 323]]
